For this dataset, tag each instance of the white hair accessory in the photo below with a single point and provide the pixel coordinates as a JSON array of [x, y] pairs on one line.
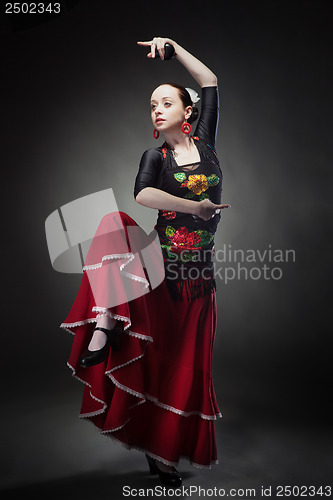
[[193, 95]]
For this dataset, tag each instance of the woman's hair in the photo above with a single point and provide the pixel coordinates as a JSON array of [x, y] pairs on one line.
[[186, 100]]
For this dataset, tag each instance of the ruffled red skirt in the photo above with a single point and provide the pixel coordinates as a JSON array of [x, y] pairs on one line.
[[156, 394]]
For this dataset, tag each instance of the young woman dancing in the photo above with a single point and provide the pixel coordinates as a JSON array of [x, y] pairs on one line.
[[147, 361]]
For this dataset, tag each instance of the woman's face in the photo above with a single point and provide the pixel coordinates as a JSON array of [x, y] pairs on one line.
[[167, 109]]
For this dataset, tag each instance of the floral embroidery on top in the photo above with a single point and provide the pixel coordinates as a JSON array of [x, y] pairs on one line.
[[180, 176], [213, 180], [197, 184], [168, 214], [183, 242], [164, 151]]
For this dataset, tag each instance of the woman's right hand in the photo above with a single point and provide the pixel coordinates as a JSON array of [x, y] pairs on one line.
[[206, 209], [157, 43]]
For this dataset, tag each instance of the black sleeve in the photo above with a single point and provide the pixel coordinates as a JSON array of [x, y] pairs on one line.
[[149, 170], [206, 128]]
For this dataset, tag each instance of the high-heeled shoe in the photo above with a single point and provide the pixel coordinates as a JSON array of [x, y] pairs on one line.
[[113, 339], [172, 478]]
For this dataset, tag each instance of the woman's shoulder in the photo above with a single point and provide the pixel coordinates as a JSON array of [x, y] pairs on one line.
[[153, 155]]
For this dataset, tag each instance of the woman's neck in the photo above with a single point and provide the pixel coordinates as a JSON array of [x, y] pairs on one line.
[[178, 141]]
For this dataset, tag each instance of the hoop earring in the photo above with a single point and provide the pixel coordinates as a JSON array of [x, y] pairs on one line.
[[156, 133], [186, 128]]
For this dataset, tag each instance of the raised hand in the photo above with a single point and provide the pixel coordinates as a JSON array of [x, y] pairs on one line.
[[156, 44]]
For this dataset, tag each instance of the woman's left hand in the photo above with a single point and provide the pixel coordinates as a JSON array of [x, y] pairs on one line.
[[206, 209], [157, 43]]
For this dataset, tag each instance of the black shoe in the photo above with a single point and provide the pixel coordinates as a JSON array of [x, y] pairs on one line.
[[172, 478], [91, 358]]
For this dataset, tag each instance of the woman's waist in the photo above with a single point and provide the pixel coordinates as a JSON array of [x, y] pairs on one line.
[[186, 244], [168, 218]]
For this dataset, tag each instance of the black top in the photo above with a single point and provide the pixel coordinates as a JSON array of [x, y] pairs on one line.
[[182, 234]]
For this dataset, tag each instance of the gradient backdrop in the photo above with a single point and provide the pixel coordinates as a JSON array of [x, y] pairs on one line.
[[75, 120]]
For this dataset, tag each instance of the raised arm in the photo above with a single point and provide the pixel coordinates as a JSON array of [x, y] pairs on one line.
[[199, 71], [147, 192]]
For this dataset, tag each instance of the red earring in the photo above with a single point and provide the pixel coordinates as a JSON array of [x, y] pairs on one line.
[[156, 133], [186, 128]]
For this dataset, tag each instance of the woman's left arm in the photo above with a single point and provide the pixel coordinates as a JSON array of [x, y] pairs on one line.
[[201, 74]]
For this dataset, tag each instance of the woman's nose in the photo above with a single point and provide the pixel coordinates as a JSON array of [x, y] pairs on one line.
[[159, 108]]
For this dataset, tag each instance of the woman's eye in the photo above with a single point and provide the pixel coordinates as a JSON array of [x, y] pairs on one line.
[[167, 104]]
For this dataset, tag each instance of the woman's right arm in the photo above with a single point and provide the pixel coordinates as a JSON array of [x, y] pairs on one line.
[[147, 194], [156, 198]]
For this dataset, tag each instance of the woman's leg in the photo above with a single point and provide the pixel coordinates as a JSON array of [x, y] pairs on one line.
[[99, 338]]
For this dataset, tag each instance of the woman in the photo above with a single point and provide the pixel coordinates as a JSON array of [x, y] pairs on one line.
[[147, 365]]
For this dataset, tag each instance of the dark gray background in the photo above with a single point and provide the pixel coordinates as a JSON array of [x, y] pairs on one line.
[[75, 120]]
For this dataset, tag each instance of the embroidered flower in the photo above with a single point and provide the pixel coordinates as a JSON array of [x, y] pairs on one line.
[[213, 180], [168, 214], [205, 237], [181, 239], [198, 183], [180, 176], [169, 231], [164, 151]]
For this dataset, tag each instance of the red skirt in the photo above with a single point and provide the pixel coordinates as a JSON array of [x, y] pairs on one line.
[[156, 394]]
